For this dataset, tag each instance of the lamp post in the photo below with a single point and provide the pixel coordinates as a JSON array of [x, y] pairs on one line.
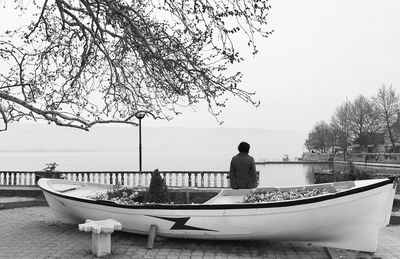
[[140, 116]]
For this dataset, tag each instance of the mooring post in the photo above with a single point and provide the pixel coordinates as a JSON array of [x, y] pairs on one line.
[[152, 236]]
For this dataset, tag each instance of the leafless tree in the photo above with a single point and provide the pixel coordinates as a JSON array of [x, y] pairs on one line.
[[320, 138], [388, 107], [364, 119], [85, 62], [341, 123]]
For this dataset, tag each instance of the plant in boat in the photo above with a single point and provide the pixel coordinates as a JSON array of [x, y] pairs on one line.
[[158, 190], [49, 172], [282, 195], [156, 193], [121, 194]]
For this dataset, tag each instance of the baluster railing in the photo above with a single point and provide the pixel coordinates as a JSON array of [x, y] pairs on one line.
[[168, 180], [136, 179], [125, 177], [31, 179], [148, 178], [131, 183], [172, 178], [178, 179], [17, 179], [22, 179], [28, 179]]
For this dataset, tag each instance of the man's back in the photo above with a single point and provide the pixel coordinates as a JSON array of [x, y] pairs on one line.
[[242, 171]]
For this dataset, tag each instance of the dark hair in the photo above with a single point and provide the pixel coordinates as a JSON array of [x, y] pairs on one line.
[[244, 147]]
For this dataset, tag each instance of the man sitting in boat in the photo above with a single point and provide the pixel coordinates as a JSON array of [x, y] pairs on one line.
[[242, 171]]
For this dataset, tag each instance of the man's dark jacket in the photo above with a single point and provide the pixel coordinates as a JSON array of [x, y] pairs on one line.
[[242, 172]]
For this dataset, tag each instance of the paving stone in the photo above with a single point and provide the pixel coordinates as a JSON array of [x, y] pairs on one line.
[[33, 233]]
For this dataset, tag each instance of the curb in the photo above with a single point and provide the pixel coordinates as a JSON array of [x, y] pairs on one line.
[[21, 204], [23, 191], [394, 220]]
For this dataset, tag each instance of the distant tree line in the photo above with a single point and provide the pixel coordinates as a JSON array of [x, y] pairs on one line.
[[363, 121]]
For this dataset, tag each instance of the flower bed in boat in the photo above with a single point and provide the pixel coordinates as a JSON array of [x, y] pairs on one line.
[[122, 195], [135, 195], [283, 195]]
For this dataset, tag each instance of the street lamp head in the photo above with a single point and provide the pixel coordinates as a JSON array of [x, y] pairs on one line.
[[140, 115]]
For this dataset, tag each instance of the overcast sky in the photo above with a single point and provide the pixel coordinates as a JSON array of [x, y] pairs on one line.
[[321, 52]]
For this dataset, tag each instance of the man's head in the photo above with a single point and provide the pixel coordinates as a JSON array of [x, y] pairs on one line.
[[244, 147]]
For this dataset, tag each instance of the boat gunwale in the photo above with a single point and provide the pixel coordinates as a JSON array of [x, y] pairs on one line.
[[233, 206]]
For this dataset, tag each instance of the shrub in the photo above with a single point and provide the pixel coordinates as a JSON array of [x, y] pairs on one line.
[[158, 191]]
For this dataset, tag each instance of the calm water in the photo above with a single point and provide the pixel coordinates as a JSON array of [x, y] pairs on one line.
[[288, 174], [270, 175]]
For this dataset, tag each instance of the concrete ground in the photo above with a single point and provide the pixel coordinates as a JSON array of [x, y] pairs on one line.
[[32, 232]]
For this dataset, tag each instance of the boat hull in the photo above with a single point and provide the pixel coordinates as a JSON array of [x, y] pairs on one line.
[[348, 221]]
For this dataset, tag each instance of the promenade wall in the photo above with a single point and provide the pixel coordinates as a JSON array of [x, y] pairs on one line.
[[317, 157], [342, 171], [382, 158]]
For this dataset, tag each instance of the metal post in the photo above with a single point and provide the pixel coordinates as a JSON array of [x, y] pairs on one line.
[[140, 144], [140, 116]]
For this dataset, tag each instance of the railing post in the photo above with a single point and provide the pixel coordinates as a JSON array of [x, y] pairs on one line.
[[142, 180], [147, 177], [185, 180], [113, 178], [170, 179], [125, 177], [22, 179], [176, 179], [33, 177]]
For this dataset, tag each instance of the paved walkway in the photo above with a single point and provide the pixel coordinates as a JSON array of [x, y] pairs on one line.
[[33, 233]]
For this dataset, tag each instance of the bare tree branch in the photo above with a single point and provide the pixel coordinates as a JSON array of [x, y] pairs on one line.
[[86, 62], [4, 118]]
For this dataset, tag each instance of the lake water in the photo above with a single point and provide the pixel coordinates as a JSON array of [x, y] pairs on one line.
[[288, 174], [270, 174]]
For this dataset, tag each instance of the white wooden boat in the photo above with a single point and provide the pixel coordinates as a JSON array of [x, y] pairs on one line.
[[348, 218]]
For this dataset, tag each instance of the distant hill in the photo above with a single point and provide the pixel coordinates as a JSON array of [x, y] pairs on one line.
[[265, 144]]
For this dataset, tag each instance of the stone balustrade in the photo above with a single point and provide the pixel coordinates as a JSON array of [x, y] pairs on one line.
[[18, 178], [204, 179]]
